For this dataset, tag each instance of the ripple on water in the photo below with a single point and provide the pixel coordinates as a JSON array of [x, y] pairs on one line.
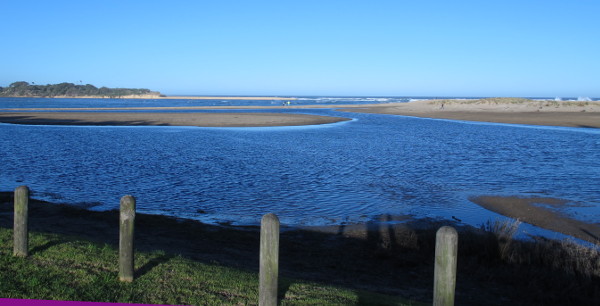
[[373, 166]]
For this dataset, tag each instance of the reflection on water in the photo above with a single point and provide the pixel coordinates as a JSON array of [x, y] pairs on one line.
[[348, 172]]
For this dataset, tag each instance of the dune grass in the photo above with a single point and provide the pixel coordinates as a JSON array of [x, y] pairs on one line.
[[482, 101], [70, 269], [515, 101]]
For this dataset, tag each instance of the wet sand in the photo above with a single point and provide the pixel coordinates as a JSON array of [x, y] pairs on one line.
[[166, 119], [536, 211]]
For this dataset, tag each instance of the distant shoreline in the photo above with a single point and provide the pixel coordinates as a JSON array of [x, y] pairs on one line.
[[224, 98]]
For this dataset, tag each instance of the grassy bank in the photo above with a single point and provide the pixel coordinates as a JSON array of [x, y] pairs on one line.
[[374, 263], [66, 268]]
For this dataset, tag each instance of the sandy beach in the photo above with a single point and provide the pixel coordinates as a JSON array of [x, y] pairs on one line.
[[166, 119]]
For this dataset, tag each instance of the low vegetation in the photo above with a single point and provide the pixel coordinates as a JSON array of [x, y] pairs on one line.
[[24, 89], [570, 257], [481, 101], [566, 256], [514, 101]]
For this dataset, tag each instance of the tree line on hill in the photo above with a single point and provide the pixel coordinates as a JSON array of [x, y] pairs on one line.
[[24, 89]]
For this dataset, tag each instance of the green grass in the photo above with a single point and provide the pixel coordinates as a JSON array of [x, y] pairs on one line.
[[70, 269]]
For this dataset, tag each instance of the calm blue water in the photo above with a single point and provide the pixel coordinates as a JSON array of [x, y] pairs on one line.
[[345, 172]]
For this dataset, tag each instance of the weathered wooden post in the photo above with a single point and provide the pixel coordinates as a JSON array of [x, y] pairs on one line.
[[21, 226], [126, 231], [269, 260], [446, 246]]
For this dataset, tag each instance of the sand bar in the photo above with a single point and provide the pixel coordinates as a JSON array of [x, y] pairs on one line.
[[166, 119], [536, 211]]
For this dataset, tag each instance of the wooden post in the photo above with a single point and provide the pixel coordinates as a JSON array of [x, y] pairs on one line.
[[269, 260], [446, 246], [21, 226], [126, 231]]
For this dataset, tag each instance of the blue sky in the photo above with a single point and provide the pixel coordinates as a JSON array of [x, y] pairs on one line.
[[366, 48]]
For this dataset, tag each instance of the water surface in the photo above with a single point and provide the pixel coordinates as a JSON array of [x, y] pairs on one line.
[[331, 174]]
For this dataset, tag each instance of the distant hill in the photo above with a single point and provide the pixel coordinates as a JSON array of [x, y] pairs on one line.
[[70, 90]]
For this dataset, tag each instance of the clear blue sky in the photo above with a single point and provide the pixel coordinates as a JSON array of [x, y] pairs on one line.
[[372, 48]]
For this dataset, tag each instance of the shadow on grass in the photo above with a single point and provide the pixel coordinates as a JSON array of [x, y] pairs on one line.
[[283, 287], [45, 246], [151, 264]]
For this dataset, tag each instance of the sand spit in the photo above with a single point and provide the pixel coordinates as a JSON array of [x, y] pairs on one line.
[[499, 110], [536, 211], [167, 119]]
